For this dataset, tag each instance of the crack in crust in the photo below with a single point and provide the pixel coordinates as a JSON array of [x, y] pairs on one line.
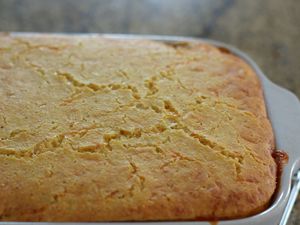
[[96, 87]]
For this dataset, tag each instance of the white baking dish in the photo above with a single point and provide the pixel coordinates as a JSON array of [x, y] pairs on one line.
[[284, 112]]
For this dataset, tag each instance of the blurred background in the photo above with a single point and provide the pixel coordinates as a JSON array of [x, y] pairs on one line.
[[268, 30]]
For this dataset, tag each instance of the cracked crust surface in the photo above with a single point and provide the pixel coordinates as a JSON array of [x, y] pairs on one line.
[[95, 129]]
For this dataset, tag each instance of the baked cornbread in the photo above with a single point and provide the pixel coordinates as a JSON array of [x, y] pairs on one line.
[[96, 129]]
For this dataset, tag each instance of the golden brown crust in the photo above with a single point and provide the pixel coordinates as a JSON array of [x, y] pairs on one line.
[[94, 129]]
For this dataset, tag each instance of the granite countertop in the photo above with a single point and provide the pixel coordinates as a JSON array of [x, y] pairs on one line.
[[267, 30]]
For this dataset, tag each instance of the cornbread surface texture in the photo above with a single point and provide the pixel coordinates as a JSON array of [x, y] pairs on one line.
[[96, 129]]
